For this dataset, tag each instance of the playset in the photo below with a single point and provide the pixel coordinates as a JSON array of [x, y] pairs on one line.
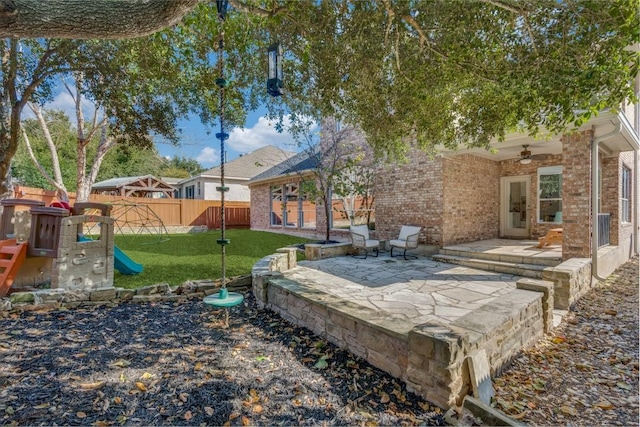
[[40, 245]]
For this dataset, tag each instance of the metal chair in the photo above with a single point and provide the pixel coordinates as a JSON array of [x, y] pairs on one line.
[[360, 240], [408, 239]]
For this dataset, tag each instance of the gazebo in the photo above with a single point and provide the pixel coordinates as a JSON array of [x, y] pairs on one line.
[[134, 186]]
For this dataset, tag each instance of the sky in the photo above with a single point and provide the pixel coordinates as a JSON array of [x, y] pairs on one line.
[[196, 142]]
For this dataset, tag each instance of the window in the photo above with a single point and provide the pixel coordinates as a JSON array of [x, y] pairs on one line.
[[276, 205], [198, 188], [625, 196], [307, 205], [550, 194], [188, 192], [293, 205]]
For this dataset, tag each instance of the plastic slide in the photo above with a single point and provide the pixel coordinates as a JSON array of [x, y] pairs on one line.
[[124, 264], [121, 261]]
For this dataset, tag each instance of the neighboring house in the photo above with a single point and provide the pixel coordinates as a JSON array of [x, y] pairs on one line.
[[289, 196], [519, 192], [277, 202], [134, 186], [237, 174]]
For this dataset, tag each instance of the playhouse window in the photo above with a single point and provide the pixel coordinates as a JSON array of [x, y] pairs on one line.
[[550, 194]]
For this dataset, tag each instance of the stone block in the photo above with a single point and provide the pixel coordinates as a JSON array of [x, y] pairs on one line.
[[480, 374], [146, 298], [147, 290], [103, 294], [125, 294]]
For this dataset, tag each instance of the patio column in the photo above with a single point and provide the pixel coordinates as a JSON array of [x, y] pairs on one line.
[[576, 195]]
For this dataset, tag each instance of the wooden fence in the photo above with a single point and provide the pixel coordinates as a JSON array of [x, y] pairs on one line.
[[172, 212]]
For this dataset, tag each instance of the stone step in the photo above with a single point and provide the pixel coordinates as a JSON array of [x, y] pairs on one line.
[[548, 261], [519, 269]]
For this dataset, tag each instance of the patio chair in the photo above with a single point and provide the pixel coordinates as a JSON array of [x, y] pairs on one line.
[[360, 240], [553, 236], [408, 239]]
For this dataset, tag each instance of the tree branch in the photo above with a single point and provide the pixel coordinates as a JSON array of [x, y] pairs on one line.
[[99, 19], [254, 10], [60, 186], [57, 173]]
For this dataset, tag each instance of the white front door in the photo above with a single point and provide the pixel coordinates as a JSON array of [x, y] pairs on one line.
[[514, 206]]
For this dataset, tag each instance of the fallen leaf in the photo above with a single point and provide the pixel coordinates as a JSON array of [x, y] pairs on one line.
[[42, 406], [246, 421], [197, 366], [141, 386], [321, 363], [569, 410], [146, 376], [121, 363], [605, 405], [101, 423], [92, 386], [519, 416], [81, 415], [208, 410], [183, 397], [558, 340], [385, 399], [117, 400], [188, 415], [624, 386], [611, 312], [258, 409]]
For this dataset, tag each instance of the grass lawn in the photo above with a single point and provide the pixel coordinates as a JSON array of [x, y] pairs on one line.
[[195, 256]]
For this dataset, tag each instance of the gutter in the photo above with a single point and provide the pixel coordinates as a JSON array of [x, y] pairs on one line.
[[595, 190]]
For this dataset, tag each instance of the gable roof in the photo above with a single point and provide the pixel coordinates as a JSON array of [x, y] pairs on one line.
[[249, 165], [129, 185], [301, 162]]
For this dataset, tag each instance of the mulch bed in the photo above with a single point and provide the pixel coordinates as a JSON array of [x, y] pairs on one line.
[[586, 371], [175, 364]]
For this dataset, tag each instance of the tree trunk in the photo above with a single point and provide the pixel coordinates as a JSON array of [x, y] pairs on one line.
[[82, 19]]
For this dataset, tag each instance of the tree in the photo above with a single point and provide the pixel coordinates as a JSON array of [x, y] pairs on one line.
[[416, 73], [181, 167], [332, 160], [52, 145], [96, 19]]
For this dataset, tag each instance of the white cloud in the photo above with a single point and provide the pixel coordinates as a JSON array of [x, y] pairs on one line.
[[262, 133], [208, 155], [63, 101]]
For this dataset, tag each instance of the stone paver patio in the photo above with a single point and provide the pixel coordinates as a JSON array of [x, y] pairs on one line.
[[417, 291]]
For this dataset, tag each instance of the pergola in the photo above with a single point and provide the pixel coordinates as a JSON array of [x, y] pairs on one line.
[[134, 186]]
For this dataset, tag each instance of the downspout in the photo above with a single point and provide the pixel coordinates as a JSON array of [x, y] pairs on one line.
[[595, 190]]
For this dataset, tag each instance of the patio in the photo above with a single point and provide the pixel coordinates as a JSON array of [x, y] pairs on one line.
[[420, 320]]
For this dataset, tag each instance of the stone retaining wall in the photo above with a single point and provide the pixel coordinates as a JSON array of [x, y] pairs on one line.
[[52, 299], [572, 279], [432, 359]]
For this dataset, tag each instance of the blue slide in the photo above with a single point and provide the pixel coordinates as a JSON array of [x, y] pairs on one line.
[[121, 261], [124, 264]]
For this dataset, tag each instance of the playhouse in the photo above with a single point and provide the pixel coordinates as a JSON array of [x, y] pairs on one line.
[[40, 245]]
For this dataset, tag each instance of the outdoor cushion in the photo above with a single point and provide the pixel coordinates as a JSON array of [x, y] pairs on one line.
[[408, 239], [360, 239]]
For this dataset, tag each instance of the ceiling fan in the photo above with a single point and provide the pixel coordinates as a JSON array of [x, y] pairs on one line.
[[526, 156]]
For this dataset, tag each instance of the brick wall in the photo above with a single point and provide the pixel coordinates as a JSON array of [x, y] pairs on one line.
[[576, 195], [410, 194], [471, 204], [260, 207]]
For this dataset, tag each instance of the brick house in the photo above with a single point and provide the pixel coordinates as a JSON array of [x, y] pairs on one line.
[[525, 189], [238, 172]]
